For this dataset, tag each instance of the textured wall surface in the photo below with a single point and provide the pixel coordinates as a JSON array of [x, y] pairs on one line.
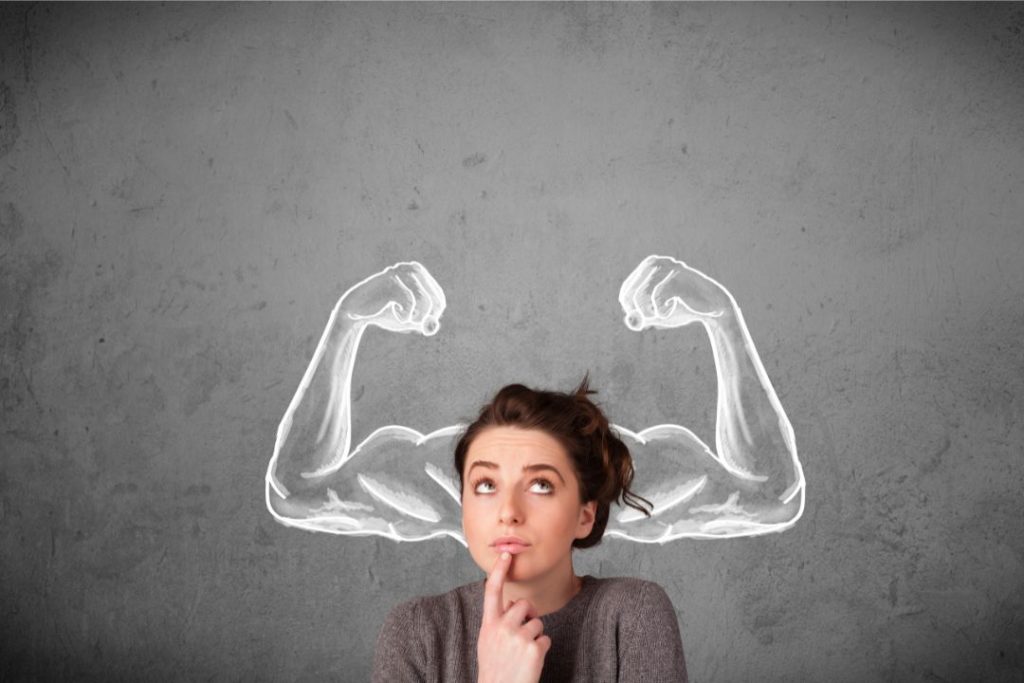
[[185, 190]]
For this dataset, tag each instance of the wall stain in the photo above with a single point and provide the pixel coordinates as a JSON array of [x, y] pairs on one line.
[[23, 275], [12, 225], [9, 131], [474, 160]]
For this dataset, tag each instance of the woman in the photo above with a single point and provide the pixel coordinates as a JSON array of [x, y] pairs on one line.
[[538, 472]]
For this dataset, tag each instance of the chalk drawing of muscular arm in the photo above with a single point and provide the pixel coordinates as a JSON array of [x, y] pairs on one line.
[[398, 482], [752, 482]]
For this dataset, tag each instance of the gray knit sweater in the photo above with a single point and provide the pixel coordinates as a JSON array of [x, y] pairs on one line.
[[612, 630]]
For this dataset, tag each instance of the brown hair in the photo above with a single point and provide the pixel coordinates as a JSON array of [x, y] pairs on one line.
[[601, 460]]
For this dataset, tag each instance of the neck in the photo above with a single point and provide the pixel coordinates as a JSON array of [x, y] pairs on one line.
[[548, 593]]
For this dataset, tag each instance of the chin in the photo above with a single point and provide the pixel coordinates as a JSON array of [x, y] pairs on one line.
[[519, 573], [526, 569]]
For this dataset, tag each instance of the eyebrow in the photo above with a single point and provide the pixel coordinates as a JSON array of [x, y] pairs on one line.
[[527, 468]]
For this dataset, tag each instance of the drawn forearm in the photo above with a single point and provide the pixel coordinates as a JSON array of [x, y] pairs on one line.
[[753, 437], [314, 436]]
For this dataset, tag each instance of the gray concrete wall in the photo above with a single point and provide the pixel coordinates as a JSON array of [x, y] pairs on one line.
[[185, 190]]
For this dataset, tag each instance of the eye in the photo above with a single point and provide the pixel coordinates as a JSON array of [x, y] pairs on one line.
[[541, 486], [483, 486]]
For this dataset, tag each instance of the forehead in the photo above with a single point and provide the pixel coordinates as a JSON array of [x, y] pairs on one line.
[[516, 447]]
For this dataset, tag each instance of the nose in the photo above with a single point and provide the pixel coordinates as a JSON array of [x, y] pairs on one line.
[[510, 512]]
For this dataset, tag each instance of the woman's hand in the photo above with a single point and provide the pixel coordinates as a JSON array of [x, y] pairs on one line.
[[511, 646]]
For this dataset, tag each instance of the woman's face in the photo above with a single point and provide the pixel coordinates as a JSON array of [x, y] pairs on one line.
[[520, 493]]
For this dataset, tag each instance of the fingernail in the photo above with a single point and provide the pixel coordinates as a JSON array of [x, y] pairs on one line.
[[506, 555]]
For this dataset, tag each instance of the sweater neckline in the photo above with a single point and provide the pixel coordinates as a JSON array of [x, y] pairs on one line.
[[574, 607], [577, 604]]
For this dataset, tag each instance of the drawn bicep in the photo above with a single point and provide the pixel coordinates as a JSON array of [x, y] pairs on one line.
[[681, 478], [392, 485]]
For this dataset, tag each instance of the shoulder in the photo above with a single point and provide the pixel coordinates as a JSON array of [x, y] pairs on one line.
[[403, 620], [400, 653], [648, 643], [418, 636], [631, 596], [636, 608], [437, 610], [622, 604]]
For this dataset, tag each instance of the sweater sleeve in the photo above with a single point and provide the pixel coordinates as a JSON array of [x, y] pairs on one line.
[[652, 649], [399, 655]]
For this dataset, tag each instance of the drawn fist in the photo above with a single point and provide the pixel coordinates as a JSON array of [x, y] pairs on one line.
[[401, 298], [663, 292]]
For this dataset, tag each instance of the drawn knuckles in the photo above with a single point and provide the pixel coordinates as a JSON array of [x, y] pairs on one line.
[[664, 292], [403, 298]]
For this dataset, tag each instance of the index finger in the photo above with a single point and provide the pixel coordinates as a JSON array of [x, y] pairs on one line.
[[492, 588]]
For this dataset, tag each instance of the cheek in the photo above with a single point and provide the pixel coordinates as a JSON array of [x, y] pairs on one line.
[[477, 536], [571, 518], [471, 519], [467, 516]]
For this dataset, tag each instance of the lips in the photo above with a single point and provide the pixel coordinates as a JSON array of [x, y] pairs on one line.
[[510, 544]]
